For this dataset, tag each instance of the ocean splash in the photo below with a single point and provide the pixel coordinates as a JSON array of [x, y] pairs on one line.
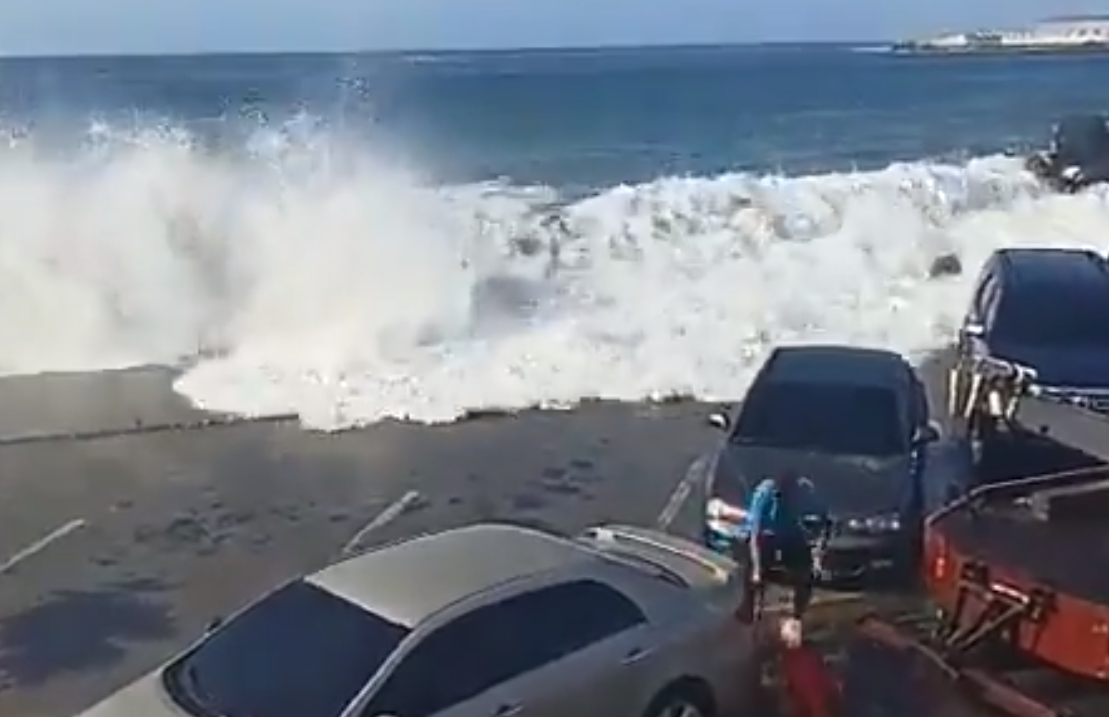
[[307, 274]]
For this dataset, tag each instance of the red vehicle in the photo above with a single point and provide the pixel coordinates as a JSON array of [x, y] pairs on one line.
[[1018, 572]]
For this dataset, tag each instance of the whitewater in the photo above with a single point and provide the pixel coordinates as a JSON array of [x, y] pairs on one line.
[[319, 277]]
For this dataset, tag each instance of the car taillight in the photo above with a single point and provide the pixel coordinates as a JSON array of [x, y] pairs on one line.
[[935, 556]]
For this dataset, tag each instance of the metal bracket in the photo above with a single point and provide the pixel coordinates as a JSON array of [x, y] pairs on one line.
[[1000, 611], [993, 386]]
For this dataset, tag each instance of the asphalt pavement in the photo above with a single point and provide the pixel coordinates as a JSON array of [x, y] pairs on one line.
[[128, 520]]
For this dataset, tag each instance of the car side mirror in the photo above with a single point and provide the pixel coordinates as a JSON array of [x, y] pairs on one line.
[[719, 420], [974, 330], [926, 434]]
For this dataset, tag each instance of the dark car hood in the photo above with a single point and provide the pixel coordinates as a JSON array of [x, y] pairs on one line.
[[849, 486], [1079, 367]]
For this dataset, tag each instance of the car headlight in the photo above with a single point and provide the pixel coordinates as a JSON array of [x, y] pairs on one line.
[[1072, 173], [717, 509], [875, 524], [724, 519]]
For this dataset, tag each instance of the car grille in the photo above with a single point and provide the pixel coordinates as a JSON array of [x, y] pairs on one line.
[[853, 562]]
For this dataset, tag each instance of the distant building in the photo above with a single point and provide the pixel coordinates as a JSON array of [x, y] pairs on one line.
[[1072, 33]]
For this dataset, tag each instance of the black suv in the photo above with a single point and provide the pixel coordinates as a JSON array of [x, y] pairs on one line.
[[855, 423], [1078, 156], [1044, 312]]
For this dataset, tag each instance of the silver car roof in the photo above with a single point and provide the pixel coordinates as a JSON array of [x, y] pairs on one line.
[[407, 582]]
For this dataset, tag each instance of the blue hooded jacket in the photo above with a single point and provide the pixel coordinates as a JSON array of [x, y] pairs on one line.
[[772, 514]]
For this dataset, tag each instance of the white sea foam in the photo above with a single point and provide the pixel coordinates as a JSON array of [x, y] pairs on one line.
[[348, 291]]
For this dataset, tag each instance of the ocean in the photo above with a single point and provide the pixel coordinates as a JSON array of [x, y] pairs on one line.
[[428, 235]]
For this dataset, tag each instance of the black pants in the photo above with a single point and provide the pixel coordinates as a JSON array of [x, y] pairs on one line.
[[785, 562]]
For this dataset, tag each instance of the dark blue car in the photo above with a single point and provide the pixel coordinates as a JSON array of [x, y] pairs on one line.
[[854, 422], [1046, 310], [1040, 311]]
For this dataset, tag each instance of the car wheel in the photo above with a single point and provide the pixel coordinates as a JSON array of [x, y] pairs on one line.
[[685, 699]]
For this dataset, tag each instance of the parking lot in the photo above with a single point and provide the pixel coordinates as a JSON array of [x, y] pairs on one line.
[[114, 552]]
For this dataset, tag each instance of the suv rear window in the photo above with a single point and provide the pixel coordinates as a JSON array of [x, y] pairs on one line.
[[1063, 316], [299, 651]]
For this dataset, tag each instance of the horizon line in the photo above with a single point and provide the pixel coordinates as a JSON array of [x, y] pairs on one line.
[[460, 50]]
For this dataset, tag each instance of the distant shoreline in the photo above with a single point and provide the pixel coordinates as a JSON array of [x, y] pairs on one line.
[[925, 49], [1071, 34], [776, 45]]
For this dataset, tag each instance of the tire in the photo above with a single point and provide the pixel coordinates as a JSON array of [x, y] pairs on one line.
[[687, 698]]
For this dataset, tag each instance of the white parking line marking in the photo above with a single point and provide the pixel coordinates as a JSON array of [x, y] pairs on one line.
[[41, 544], [391, 512], [678, 498]]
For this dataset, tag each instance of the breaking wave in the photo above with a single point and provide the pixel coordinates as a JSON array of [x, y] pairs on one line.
[[308, 274]]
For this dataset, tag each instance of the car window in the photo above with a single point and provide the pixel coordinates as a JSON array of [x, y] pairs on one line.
[[496, 643], [987, 308], [299, 651], [840, 419], [1069, 317], [990, 299], [986, 288]]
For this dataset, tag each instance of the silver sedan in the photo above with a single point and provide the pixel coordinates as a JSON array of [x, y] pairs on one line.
[[488, 620]]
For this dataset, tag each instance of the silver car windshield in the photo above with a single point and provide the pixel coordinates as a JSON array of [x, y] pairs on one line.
[[299, 651]]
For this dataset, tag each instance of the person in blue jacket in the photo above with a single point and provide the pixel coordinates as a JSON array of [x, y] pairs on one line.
[[779, 538]]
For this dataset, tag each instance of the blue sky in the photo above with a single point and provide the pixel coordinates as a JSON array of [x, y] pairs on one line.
[[126, 26]]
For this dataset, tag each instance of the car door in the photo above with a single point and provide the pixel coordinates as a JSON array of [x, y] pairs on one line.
[[469, 667], [591, 639], [974, 333]]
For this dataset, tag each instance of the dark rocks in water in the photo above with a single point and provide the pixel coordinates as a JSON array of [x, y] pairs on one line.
[[945, 265], [528, 246]]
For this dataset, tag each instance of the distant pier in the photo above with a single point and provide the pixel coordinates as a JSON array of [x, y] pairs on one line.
[[1063, 35]]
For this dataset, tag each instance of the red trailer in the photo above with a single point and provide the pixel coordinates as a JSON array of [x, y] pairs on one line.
[[1018, 575]]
